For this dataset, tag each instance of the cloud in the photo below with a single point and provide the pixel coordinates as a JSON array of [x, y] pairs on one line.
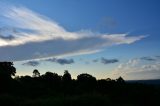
[[7, 37], [157, 56], [108, 61], [31, 63], [61, 61], [95, 60], [138, 69], [6, 33], [56, 60], [148, 59], [34, 36]]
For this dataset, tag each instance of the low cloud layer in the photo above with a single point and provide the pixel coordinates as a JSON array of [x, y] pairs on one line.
[[61, 61], [108, 61], [105, 60], [137, 68], [148, 58], [29, 35]]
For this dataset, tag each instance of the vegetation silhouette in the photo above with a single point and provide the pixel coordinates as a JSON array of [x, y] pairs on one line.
[[66, 78], [51, 89], [36, 73], [7, 70]]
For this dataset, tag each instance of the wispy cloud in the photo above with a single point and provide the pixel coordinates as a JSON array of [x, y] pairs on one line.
[[31, 63], [95, 60], [148, 58], [157, 56], [35, 36], [61, 61], [108, 61], [138, 69]]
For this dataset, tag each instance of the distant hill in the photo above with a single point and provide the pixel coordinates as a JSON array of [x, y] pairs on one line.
[[151, 81]]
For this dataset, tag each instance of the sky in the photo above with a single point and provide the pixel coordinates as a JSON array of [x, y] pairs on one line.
[[105, 38]]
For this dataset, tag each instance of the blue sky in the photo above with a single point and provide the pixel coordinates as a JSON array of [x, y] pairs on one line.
[[106, 38]]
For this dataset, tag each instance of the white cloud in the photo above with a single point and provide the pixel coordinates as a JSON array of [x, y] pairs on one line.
[[35, 36], [138, 68]]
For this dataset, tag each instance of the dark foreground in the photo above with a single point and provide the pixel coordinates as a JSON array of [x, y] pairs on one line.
[[52, 89]]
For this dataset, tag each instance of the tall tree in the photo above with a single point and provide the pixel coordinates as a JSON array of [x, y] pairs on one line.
[[36, 73], [66, 77], [7, 70], [120, 80]]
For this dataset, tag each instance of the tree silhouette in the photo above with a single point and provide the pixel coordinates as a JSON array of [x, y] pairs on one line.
[[7, 70], [120, 80], [36, 73], [66, 77], [26, 79], [86, 81], [86, 78], [51, 78], [108, 79], [52, 89]]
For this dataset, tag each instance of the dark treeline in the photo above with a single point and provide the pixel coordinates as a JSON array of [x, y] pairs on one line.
[[51, 89]]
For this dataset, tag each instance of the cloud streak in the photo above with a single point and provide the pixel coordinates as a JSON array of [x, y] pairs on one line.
[[148, 58], [34, 36], [61, 61], [31, 63], [108, 61]]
